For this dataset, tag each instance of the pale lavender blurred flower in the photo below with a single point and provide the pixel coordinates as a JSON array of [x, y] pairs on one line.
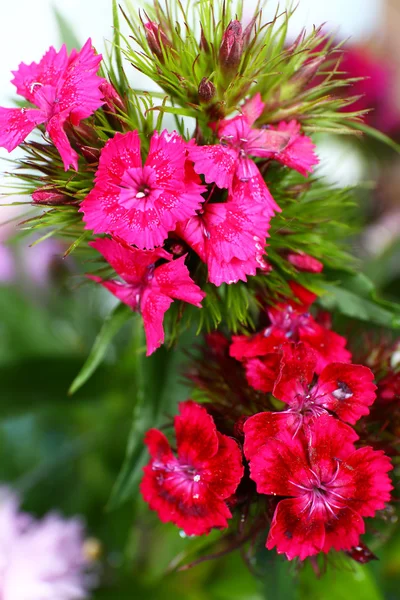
[[40, 559]]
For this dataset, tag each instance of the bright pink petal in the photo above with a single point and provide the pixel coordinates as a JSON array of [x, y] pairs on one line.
[[55, 129], [49, 71], [173, 279], [217, 163], [79, 89], [262, 373], [294, 535], [252, 109], [252, 190], [142, 205], [347, 390], [193, 232], [261, 142], [16, 124], [130, 263], [129, 295], [153, 306], [299, 154]]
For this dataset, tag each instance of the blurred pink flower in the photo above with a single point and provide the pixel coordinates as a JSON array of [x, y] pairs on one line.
[[40, 560]]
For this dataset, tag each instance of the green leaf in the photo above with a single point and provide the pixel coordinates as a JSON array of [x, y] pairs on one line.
[[339, 583], [111, 326], [66, 31], [355, 297]]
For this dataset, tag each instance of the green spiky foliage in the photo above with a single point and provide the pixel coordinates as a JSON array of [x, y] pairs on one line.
[[299, 81]]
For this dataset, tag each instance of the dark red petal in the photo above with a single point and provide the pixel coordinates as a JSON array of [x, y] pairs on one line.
[[343, 531], [293, 532], [262, 373], [259, 428], [347, 390], [224, 471], [365, 482], [280, 465], [158, 446], [296, 373], [196, 434], [329, 346], [251, 346], [330, 441], [191, 505]]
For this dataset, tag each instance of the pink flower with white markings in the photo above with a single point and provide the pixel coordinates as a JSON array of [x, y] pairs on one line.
[[145, 287], [64, 89], [142, 203]]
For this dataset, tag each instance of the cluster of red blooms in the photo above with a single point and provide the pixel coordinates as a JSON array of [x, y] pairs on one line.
[[305, 455]]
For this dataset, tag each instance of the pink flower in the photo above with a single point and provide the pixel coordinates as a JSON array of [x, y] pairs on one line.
[[48, 553], [329, 487], [147, 288], [299, 152], [291, 321], [229, 238], [142, 203], [190, 489], [262, 373], [63, 89], [228, 162]]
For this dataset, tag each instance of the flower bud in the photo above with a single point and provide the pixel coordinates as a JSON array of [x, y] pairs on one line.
[[308, 71], [50, 196], [111, 97], [206, 90], [249, 31], [156, 39], [231, 49], [305, 262], [204, 45]]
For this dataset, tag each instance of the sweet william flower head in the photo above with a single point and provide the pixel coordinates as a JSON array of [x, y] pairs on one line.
[[190, 488], [146, 287], [328, 485], [64, 89], [141, 203]]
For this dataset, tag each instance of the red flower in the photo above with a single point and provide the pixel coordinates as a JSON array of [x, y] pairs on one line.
[[343, 389], [190, 489], [291, 321], [330, 485]]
